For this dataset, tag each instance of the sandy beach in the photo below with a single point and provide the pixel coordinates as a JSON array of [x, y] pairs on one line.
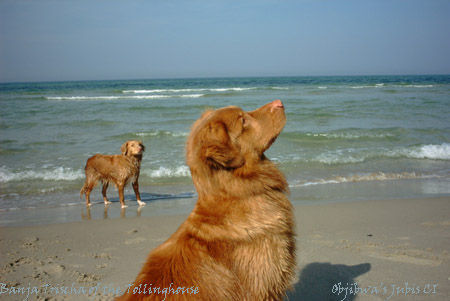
[[382, 250], [355, 106]]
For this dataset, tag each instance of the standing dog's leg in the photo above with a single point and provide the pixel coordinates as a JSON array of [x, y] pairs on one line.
[[87, 191], [104, 188], [120, 187], [136, 192]]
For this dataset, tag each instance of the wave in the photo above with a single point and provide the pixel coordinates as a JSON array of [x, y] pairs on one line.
[[418, 86], [352, 134], [360, 155], [56, 174], [383, 85], [144, 91], [122, 97], [278, 88], [68, 174], [430, 151], [378, 176], [165, 172], [340, 157], [346, 156], [159, 133], [344, 136]]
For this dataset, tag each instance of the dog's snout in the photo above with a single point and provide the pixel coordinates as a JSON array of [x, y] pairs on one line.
[[277, 104]]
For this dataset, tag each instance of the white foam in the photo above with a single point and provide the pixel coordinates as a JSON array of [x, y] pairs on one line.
[[338, 158], [123, 97], [382, 85], [161, 133], [378, 176], [55, 174], [362, 87], [164, 172], [419, 86], [431, 151], [145, 91], [348, 135], [350, 155], [82, 97], [192, 95]]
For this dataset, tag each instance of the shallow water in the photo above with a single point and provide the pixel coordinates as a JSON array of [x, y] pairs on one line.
[[346, 138]]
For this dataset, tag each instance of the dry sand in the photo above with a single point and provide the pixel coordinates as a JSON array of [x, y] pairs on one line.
[[392, 249]]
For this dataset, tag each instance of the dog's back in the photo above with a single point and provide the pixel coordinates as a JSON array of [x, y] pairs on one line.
[[111, 168]]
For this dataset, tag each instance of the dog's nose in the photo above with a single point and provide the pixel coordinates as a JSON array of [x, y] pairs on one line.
[[277, 104]]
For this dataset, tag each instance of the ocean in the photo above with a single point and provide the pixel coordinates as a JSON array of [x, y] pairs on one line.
[[347, 138]]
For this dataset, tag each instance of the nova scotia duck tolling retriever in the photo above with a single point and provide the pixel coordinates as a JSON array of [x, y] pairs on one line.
[[238, 242], [116, 169]]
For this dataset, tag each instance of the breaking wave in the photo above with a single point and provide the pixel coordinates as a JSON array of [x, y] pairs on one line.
[[122, 97], [165, 172], [359, 155], [56, 174], [345, 156], [161, 133], [378, 176], [144, 91], [431, 151]]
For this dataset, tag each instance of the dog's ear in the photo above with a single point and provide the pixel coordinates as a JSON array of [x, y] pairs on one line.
[[206, 113], [142, 146], [217, 148], [124, 148]]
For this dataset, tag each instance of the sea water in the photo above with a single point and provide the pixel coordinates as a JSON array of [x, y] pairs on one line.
[[346, 138]]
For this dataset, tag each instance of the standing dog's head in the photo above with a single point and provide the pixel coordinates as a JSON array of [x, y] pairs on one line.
[[132, 148], [230, 138]]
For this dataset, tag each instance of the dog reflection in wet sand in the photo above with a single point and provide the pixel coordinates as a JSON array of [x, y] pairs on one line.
[[116, 169]]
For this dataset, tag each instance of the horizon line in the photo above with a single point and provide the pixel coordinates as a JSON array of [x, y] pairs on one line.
[[217, 77]]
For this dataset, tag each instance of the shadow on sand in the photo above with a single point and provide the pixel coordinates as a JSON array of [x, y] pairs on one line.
[[317, 279]]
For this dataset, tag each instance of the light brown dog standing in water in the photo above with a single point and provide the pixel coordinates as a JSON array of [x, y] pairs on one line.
[[238, 242], [118, 169]]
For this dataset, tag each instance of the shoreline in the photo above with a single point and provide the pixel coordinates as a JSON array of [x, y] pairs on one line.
[[384, 246], [174, 199]]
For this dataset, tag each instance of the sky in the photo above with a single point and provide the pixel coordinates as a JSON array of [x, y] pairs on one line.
[[52, 40]]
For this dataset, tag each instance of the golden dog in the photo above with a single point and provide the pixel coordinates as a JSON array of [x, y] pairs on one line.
[[238, 242], [118, 169]]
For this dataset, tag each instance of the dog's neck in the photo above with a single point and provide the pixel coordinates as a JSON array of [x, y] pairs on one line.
[[245, 181], [235, 199], [136, 159]]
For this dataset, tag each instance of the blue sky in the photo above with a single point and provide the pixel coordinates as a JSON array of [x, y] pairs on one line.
[[83, 40]]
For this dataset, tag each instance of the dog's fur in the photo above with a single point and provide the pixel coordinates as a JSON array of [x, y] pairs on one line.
[[238, 242], [118, 169]]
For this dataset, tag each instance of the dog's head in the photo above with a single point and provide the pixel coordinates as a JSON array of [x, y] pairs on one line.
[[229, 138], [132, 148]]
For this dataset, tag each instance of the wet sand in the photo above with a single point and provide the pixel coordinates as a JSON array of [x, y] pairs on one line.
[[383, 250]]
